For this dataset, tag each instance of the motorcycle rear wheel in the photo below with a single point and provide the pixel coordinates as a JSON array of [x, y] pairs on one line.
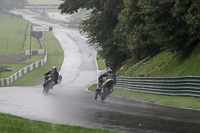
[[104, 94], [96, 95], [45, 90]]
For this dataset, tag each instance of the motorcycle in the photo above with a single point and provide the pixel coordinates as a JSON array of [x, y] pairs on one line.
[[48, 84], [104, 89]]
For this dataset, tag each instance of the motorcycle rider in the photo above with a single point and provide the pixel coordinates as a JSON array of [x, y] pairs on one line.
[[53, 75], [110, 79]]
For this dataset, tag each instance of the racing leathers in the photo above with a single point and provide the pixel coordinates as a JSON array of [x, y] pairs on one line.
[[53, 75]]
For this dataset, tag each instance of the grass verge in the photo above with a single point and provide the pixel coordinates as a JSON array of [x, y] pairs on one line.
[[101, 63], [13, 124], [11, 40]]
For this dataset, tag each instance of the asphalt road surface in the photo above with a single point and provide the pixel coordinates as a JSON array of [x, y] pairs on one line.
[[70, 103]]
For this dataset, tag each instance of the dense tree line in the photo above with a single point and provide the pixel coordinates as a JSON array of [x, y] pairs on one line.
[[10, 4], [138, 28]]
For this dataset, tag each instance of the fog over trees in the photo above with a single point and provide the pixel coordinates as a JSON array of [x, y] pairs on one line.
[[11, 4]]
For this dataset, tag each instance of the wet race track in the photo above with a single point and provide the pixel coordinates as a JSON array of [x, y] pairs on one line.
[[70, 102]]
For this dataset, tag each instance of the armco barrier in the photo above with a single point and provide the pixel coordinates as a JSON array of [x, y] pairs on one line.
[[175, 86], [23, 71]]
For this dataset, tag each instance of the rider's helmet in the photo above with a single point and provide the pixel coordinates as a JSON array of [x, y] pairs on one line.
[[54, 68], [108, 69]]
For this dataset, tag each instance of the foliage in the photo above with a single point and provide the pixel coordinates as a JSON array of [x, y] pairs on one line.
[[138, 28], [193, 18], [165, 22], [132, 31], [100, 25]]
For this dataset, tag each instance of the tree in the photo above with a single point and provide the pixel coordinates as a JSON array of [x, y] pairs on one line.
[[193, 18], [152, 26], [100, 26], [138, 28], [165, 22], [131, 29]]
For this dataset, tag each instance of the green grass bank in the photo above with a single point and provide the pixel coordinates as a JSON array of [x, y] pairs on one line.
[[165, 64], [13, 124], [11, 44]]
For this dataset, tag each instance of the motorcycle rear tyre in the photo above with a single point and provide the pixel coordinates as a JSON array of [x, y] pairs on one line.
[[96, 95], [45, 90], [104, 94]]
